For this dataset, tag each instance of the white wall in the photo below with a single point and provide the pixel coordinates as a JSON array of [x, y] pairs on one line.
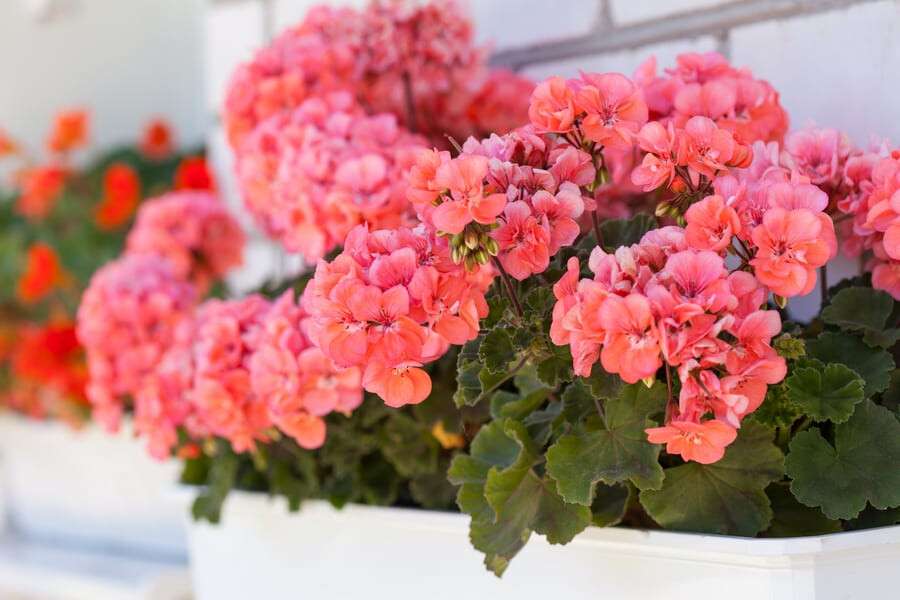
[[126, 60]]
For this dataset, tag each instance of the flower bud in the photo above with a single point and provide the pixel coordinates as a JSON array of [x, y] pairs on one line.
[[492, 247], [780, 301], [482, 257], [649, 380], [663, 208], [471, 239]]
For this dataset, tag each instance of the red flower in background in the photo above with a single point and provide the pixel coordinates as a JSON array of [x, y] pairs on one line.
[[121, 194], [193, 174], [70, 131], [50, 355], [7, 145], [39, 189], [158, 140], [43, 272]]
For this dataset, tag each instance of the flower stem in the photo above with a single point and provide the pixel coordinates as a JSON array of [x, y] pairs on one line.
[[410, 100], [508, 286], [597, 233], [823, 275]]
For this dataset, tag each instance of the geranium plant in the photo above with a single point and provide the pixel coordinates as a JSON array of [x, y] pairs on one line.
[[583, 320]]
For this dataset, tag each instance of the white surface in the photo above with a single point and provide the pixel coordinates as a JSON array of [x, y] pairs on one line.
[[839, 69], [402, 554], [30, 571], [234, 30], [627, 12], [88, 487], [623, 62], [127, 61]]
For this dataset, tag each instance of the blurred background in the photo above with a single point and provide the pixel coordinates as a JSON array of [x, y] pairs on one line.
[[127, 62]]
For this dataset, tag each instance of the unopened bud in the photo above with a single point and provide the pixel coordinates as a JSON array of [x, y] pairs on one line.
[[662, 209], [492, 246], [471, 263], [649, 381], [472, 239], [781, 301], [482, 257], [458, 239], [455, 254]]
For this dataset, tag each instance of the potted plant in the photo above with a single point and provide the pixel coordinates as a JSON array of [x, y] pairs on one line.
[[62, 476], [580, 322]]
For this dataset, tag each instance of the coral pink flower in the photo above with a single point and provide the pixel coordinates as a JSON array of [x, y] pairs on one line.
[[467, 202], [400, 385], [524, 241], [191, 229], [714, 99], [704, 443], [552, 107], [615, 110], [632, 340], [658, 165], [711, 224], [561, 212], [819, 154], [705, 148], [791, 246], [127, 319], [886, 277]]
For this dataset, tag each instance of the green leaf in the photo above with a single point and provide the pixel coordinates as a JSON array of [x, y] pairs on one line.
[[509, 405], [777, 410], [497, 305], [727, 497], [612, 451], [555, 368], [408, 446], [610, 504], [222, 476], [859, 309], [792, 519], [496, 351], [860, 467], [625, 232], [506, 498], [872, 364], [886, 338], [789, 347], [827, 394]]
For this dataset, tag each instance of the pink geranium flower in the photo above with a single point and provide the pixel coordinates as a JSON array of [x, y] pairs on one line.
[[552, 107], [613, 107], [704, 443], [711, 224], [467, 202], [632, 340], [791, 245], [524, 241]]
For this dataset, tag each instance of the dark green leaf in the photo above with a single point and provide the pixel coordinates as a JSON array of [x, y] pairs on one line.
[[872, 364], [727, 497], [777, 410], [610, 504], [861, 466], [859, 309], [496, 351], [556, 368], [613, 451], [827, 394], [625, 232], [222, 477], [792, 519]]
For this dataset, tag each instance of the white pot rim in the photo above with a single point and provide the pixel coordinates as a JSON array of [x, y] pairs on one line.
[[247, 504]]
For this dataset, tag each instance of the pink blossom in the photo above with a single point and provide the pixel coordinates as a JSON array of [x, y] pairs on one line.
[[524, 241], [193, 230], [704, 442], [613, 107]]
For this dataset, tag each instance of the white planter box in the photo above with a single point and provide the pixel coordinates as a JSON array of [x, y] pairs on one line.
[[262, 551], [89, 488]]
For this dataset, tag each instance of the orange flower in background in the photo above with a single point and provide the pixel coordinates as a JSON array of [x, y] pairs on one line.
[[157, 141], [50, 355], [193, 174], [70, 131], [39, 189], [121, 194], [43, 272], [7, 145]]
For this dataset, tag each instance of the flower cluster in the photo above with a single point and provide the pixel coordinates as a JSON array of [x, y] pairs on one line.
[[776, 219], [126, 322], [194, 231], [43, 273], [414, 60], [312, 174], [523, 190], [392, 301], [706, 85], [869, 195], [662, 302]]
